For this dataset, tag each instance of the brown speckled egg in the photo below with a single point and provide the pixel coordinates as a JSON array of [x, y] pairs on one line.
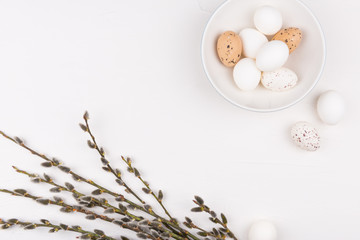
[[291, 36], [229, 48]]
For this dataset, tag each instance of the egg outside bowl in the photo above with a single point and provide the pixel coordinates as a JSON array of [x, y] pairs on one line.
[[307, 61]]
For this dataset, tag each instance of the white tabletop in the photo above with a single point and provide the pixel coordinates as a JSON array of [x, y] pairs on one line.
[[136, 67]]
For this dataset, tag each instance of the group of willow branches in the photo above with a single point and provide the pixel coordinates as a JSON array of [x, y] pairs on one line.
[[155, 226]]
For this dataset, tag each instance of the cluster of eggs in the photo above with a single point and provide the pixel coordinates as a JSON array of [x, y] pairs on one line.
[[256, 59], [258, 55]]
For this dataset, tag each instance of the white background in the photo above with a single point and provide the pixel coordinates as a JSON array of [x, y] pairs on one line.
[[136, 66]]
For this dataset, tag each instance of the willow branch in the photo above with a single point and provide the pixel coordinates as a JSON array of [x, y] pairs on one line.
[[68, 208], [97, 234], [55, 163], [147, 189], [101, 152], [77, 194]]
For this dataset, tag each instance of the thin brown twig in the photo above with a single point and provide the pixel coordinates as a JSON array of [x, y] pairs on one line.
[[102, 155], [69, 208], [101, 152], [105, 205], [54, 228], [58, 203], [137, 174], [213, 217]]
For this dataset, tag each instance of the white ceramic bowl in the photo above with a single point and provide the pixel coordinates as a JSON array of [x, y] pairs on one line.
[[307, 60]]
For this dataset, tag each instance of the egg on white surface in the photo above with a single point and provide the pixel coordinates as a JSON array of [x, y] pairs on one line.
[[246, 74], [252, 41], [272, 55], [268, 20], [279, 80], [262, 230], [330, 107], [305, 136]]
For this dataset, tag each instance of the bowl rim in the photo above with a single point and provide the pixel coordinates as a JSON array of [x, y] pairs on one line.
[[260, 110]]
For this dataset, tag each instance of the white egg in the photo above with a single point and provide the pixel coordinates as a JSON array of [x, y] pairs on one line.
[[262, 230], [281, 79], [331, 107], [268, 20], [246, 74], [272, 55], [305, 136], [252, 41]]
